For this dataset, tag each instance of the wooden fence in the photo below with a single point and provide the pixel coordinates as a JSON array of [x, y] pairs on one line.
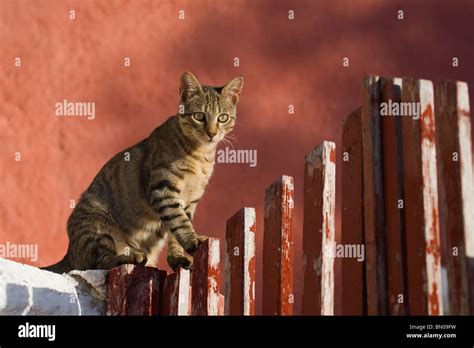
[[406, 244]]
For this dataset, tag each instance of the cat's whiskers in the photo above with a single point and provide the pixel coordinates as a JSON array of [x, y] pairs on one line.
[[228, 142], [231, 137]]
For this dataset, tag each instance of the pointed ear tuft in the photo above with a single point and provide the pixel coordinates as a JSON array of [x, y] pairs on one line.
[[188, 86], [233, 89]]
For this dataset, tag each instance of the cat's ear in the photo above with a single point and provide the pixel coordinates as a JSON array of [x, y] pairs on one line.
[[188, 85], [233, 89]]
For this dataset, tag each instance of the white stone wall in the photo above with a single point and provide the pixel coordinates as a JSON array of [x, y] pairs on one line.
[[27, 290]]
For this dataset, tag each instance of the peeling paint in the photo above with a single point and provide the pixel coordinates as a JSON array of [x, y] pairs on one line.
[[465, 157], [249, 261], [205, 279], [430, 198]]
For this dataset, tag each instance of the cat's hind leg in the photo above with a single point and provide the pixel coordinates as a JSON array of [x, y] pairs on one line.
[[93, 244], [98, 251]]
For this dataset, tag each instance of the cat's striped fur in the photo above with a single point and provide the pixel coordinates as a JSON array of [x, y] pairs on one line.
[[132, 207]]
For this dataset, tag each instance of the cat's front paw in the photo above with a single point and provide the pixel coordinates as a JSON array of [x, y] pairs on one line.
[[180, 261], [190, 245], [202, 239]]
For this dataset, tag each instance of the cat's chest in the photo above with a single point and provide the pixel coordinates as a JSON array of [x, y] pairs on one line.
[[195, 184]]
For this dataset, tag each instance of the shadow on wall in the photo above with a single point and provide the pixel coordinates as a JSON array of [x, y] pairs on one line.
[[21, 300], [39, 301]]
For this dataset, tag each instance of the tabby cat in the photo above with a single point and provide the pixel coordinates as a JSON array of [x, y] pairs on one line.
[[148, 193]]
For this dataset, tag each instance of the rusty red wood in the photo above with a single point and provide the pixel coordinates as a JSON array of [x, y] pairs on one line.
[[176, 298], [373, 198], [421, 202], [205, 279], [240, 263], [453, 146], [353, 292], [134, 290], [318, 230], [393, 198], [278, 297]]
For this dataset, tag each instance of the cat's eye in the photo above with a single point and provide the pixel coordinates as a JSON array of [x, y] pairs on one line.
[[223, 118], [199, 116]]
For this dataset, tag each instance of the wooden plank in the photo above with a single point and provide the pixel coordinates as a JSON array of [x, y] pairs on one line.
[[353, 281], [467, 182], [205, 279], [177, 294], [221, 310], [421, 201], [318, 230], [240, 263], [453, 146], [393, 196], [134, 290], [374, 218], [278, 297]]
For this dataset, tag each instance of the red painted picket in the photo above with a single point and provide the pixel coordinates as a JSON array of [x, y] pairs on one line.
[[278, 297], [134, 290], [177, 294], [240, 263], [353, 293], [407, 205], [372, 184], [455, 184], [319, 230], [205, 279]]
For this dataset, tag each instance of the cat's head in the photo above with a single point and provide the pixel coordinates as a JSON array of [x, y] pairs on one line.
[[207, 114]]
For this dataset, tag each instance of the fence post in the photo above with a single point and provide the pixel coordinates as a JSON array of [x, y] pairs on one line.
[[221, 309], [177, 294], [373, 198], [353, 281], [134, 290], [278, 297], [421, 201], [453, 148], [319, 243], [205, 279], [240, 263], [393, 198]]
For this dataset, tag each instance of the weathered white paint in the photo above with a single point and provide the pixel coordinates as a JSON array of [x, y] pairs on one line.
[[213, 290], [183, 291], [288, 182], [398, 81], [430, 196], [465, 158], [287, 212], [214, 256], [328, 227], [27, 290], [249, 254]]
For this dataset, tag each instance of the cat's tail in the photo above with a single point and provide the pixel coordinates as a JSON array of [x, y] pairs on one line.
[[62, 266]]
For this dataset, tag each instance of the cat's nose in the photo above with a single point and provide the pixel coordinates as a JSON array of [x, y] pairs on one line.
[[211, 134]]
